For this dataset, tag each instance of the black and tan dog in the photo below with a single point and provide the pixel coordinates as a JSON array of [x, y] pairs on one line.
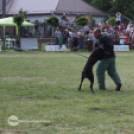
[[88, 69]]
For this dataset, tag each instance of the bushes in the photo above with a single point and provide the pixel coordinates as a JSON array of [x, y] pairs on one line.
[[111, 21]]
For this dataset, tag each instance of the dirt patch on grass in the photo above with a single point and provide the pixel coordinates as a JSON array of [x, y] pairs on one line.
[[51, 83], [25, 98], [17, 78]]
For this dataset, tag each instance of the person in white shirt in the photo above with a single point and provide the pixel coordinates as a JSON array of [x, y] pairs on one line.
[[118, 18], [70, 39]]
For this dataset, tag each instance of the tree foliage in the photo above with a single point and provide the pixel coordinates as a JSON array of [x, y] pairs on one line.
[[18, 19], [23, 13], [112, 21], [103, 5], [92, 19], [53, 21], [125, 7], [82, 21]]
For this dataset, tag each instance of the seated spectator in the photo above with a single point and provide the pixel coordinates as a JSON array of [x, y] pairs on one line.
[[110, 31], [127, 41], [122, 27], [122, 36], [105, 32]]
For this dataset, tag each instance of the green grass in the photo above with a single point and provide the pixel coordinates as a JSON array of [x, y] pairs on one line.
[[43, 86]]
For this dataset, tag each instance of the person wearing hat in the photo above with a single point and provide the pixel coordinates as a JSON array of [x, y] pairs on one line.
[[65, 37], [107, 62]]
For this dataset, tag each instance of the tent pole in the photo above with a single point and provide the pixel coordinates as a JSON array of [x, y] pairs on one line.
[[16, 30], [34, 30], [4, 36]]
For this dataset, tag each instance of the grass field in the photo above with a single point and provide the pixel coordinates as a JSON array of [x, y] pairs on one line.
[[42, 86]]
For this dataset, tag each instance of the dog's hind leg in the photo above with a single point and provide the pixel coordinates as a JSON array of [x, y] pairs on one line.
[[91, 87], [82, 78], [91, 79]]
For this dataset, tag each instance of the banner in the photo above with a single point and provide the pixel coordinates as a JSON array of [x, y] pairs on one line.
[[55, 48], [29, 43], [121, 48]]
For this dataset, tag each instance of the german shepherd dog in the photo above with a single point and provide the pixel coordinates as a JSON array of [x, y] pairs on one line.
[[88, 69]]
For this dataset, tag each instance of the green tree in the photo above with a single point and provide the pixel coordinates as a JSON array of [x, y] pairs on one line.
[[92, 19], [53, 22], [18, 19], [125, 7], [103, 5], [112, 21], [82, 21], [23, 13]]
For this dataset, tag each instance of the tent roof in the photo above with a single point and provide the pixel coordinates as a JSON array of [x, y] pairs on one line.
[[9, 22]]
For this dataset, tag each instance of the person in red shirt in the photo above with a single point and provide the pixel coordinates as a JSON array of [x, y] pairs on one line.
[[77, 16]]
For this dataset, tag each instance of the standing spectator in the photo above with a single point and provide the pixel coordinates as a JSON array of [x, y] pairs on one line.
[[59, 37], [69, 19], [89, 21], [65, 37], [86, 30], [102, 26], [70, 39], [128, 28], [118, 18], [107, 26], [77, 16], [132, 36], [91, 41], [75, 40], [122, 27], [107, 17], [64, 16], [58, 33], [63, 22], [81, 40]]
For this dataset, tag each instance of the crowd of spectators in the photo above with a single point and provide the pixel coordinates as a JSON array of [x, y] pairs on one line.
[[76, 37]]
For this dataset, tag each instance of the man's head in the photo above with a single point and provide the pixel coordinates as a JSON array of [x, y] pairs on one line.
[[97, 33], [57, 29]]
